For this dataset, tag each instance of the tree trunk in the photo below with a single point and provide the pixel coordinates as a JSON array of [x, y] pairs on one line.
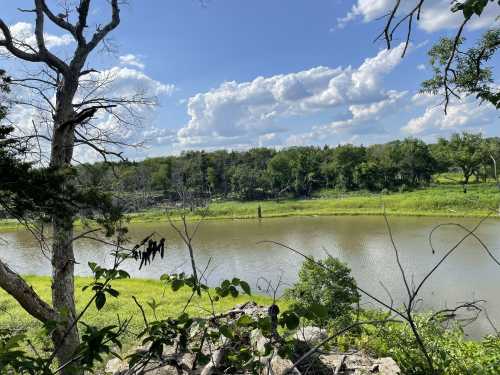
[[65, 338]]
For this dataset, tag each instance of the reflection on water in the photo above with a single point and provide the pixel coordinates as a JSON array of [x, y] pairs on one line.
[[360, 241]]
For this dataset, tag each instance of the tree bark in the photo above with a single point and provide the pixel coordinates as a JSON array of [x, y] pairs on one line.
[[65, 338], [14, 284]]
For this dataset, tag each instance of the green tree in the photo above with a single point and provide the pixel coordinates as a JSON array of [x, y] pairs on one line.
[[345, 160], [467, 152]]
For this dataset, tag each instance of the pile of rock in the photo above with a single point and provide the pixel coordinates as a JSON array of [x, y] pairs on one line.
[[321, 363]]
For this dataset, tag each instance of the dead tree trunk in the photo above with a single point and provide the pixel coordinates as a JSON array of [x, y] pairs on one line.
[[67, 116]]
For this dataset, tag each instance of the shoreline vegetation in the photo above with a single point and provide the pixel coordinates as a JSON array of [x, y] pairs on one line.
[[438, 200]]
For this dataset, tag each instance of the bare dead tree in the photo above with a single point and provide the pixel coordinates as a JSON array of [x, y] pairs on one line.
[[67, 96]]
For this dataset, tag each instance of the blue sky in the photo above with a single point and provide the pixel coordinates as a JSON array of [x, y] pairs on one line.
[[239, 74]]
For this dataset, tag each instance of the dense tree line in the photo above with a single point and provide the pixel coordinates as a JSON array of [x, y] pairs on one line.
[[263, 173]]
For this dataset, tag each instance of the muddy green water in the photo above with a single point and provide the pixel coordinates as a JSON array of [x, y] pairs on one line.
[[362, 242]]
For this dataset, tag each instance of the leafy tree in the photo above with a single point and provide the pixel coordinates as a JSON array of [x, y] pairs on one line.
[[458, 71], [455, 71], [345, 160], [415, 162], [325, 283], [467, 152], [279, 171]]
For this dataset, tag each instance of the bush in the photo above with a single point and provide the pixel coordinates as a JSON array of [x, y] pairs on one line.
[[451, 353], [326, 283]]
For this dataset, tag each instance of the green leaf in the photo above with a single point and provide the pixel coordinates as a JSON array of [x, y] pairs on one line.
[[100, 300], [113, 292], [318, 310], [244, 321], [264, 324], [234, 292], [177, 284], [246, 288], [226, 331], [290, 319], [123, 274]]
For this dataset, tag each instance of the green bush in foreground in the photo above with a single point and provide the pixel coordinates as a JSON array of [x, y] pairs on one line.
[[327, 283], [451, 353]]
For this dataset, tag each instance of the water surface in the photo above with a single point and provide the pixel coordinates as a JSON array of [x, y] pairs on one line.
[[360, 241]]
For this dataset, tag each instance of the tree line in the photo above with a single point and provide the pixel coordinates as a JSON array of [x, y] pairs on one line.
[[265, 173]]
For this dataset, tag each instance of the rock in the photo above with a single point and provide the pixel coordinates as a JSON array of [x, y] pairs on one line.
[[358, 364], [116, 366], [311, 335], [387, 366], [258, 341], [279, 366]]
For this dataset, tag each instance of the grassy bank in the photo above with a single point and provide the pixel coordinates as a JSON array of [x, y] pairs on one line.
[[171, 304], [437, 200]]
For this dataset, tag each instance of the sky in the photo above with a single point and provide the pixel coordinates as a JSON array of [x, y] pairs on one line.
[[237, 74]]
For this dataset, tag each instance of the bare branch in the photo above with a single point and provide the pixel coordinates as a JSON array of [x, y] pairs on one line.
[[100, 34]]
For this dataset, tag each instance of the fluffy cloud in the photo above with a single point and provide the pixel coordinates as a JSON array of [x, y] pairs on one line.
[[363, 120], [23, 32], [256, 111], [131, 60], [462, 115], [122, 82], [436, 14]]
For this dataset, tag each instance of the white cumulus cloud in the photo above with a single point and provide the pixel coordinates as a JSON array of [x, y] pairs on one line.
[[132, 60], [245, 112], [23, 33], [461, 115]]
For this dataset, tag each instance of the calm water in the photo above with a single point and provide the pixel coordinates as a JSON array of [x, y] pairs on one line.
[[362, 242]]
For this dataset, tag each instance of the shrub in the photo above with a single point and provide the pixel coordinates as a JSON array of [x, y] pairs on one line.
[[326, 283], [451, 353]]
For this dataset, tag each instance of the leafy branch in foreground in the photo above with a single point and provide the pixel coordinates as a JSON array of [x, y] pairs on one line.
[[460, 72]]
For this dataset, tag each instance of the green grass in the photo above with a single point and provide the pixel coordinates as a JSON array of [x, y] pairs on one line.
[[438, 200], [172, 303]]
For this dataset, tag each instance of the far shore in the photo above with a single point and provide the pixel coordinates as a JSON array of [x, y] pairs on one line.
[[447, 200]]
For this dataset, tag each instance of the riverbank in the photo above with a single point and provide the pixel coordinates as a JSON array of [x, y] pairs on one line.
[[441, 200]]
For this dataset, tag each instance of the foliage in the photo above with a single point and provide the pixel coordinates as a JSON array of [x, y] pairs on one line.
[[470, 75], [296, 172], [325, 291], [451, 353]]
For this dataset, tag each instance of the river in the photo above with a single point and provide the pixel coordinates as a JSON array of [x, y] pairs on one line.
[[360, 241]]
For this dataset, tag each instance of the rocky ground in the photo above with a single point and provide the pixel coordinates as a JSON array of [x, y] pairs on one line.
[[327, 363]]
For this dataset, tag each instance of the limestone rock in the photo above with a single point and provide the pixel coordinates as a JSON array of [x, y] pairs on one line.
[[359, 364], [311, 335], [116, 366]]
